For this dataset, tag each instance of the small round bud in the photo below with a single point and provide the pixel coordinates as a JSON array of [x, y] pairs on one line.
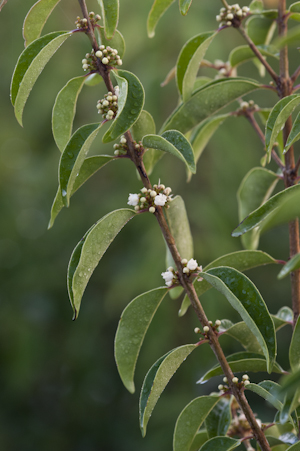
[[205, 329], [186, 270], [218, 323], [84, 61], [85, 66], [87, 55], [167, 191], [114, 98], [98, 54], [218, 18], [136, 208], [123, 141], [225, 379], [144, 190], [229, 16], [109, 98], [84, 20], [210, 322], [245, 377], [152, 210], [239, 13], [143, 199], [161, 186], [119, 62], [170, 268], [196, 330], [97, 17], [235, 380], [227, 23], [246, 383], [153, 193], [102, 47], [108, 117], [105, 103], [184, 261], [220, 387], [110, 112], [223, 71], [105, 61], [117, 153]]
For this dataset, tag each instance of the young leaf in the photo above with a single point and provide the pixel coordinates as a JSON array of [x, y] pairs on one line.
[[208, 100], [88, 168], [278, 117], [292, 38], [241, 362], [260, 29], [291, 265], [256, 187], [116, 42], [133, 325], [110, 12], [175, 143], [243, 54], [282, 207], [267, 390], [64, 111], [157, 378], [294, 351], [200, 438], [295, 11], [294, 134], [90, 250], [93, 80], [241, 260], [190, 420], [256, 6], [130, 104], [220, 444], [246, 299], [30, 64], [295, 447], [202, 134], [184, 6], [180, 229], [159, 7], [73, 157], [189, 60], [219, 419], [36, 18]]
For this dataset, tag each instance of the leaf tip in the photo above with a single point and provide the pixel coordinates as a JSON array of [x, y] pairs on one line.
[[75, 315]]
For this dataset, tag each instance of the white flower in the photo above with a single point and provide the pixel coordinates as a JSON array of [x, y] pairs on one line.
[[192, 264], [160, 200], [133, 199], [168, 277]]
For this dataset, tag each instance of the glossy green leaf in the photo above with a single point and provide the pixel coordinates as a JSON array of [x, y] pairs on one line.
[[133, 325], [130, 104], [208, 100], [202, 134], [246, 299], [90, 250], [184, 6], [280, 208], [115, 42], [256, 6], [200, 438], [159, 7], [157, 378], [110, 12], [295, 11], [174, 143], [284, 315], [242, 362], [290, 266], [180, 229], [255, 189], [291, 39], [243, 54], [36, 18], [219, 419], [290, 383], [268, 391], [294, 351], [290, 403], [260, 29], [30, 64], [294, 134], [278, 117], [93, 80], [190, 420], [189, 60], [73, 157], [295, 447], [88, 168], [220, 444], [241, 260], [64, 111]]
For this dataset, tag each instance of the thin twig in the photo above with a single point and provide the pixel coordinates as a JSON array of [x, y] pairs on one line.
[[295, 74]]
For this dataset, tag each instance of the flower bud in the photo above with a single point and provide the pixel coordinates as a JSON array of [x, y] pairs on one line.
[[205, 329], [152, 210], [235, 380]]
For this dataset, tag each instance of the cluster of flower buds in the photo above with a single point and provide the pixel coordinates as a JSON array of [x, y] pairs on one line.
[[190, 266], [122, 147], [232, 16], [244, 382], [250, 107], [109, 56], [224, 69], [170, 276], [206, 328], [83, 23], [149, 199], [108, 106], [89, 62]]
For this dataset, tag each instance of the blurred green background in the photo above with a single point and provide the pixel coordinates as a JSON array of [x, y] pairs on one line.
[[59, 384]]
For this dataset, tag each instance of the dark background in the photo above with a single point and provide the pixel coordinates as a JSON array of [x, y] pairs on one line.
[[59, 386]]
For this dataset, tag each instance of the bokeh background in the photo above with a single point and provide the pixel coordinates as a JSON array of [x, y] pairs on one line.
[[59, 386]]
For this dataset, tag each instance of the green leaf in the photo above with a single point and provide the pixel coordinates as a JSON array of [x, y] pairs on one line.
[[295, 8], [241, 362], [189, 60], [200, 438], [93, 80], [255, 189], [268, 391], [241, 260], [294, 134], [184, 6], [295, 447], [220, 444], [246, 299], [289, 405], [157, 378], [292, 38], [243, 54], [130, 104], [36, 18], [180, 229], [190, 420], [73, 157], [202, 134], [90, 250], [115, 42], [159, 7], [219, 419], [278, 117], [110, 13], [256, 6], [133, 325], [260, 29], [175, 143], [280, 208], [201, 81], [30, 64], [64, 111], [294, 351], [208, 100], [291, 265], [284, 315], [88, 168]]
